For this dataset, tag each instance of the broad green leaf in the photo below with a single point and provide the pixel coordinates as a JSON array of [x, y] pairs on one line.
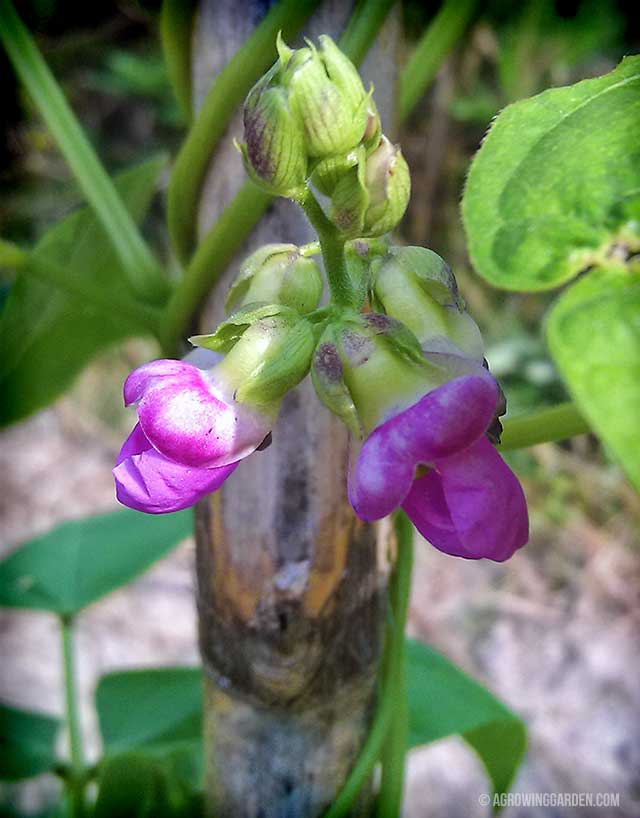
[[444, 701], [557, 180], [47, 336], [150, 708], [78, 562], [593, 331], [27, 743], [135, 785]]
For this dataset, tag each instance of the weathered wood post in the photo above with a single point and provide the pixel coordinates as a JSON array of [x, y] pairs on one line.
[[291, 589]]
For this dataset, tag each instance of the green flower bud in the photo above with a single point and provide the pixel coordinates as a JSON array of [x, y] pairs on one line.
[[274, 153], [326, 93], [268, 352], [416, 285], [277, 274], [371, 199]]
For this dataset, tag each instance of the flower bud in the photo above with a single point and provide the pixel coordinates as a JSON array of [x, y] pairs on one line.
[[326, 93], [371, 199], [416, 285], [274, 153], [268, 352], [277, 274]]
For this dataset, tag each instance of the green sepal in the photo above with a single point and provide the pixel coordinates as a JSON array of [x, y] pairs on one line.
[[329, 171], [284, 365], [350, 200], [327, 379], [229, 332], [430, 271]]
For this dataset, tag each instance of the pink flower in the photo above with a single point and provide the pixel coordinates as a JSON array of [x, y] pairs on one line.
[[190, 436], [434, 460]]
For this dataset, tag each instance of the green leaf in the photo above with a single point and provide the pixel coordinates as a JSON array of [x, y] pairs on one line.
[[27, 743], [444, 701], [593, 331], [150, 708], [47, 335], [556, 182], [78, 562], [134, 785]]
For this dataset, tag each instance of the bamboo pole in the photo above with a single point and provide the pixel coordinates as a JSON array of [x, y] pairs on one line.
[[291, 587]]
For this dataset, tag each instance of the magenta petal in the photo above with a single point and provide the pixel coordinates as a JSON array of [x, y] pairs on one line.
[[148, 481], [471, 505], [186, 418], [443, 422], [146, 375]]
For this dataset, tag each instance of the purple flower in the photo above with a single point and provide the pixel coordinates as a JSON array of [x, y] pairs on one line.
[[434, 460], [189, 438]]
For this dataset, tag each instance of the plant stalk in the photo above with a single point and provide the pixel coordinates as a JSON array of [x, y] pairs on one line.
[[543, 426], [76, 779], [332, 246], [437, 41]]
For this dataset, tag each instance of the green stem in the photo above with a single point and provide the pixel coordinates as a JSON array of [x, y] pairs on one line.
[[76, 780], [434, 45], [389, 723], [107, 301], [332, 246], [543, 426], [393, 756], [176, 23], [360, 32], [210, 259], [228, 90], [142, 270]]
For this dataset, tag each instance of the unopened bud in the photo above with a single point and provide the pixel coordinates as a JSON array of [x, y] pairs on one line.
[[277, 274], [274, 152], [372, 198], [417, 286], [326, 93]]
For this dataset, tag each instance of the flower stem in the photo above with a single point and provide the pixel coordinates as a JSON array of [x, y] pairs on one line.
[[143, 271], [543, 426], [389, 725], [76, 779], [332, 246], [449, 23], [393, 756]]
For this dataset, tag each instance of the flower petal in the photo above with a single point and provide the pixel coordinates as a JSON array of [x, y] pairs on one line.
[[186, 417], [471, 505], [149, 374], [443, 422], [148, 481]]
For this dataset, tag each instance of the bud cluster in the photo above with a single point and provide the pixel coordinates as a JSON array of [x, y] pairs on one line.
[[393, 353], [310, 118]]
